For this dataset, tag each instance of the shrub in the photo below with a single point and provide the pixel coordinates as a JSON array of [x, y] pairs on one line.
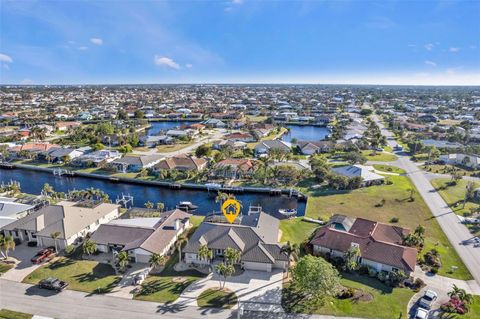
[[382, 276], [394, 220], [363, 270], [434, 270], [432, 259], [372, 272], [346, 293], [69, 249]]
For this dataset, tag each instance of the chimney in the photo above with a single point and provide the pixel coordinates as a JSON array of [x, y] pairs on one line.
[[176, 224], [40, 221]]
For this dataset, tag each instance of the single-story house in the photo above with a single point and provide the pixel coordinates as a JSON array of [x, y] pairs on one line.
[[380, 244], [97, 158], [215, 123], [59, 154], [151, 141], [240, 137], [132, 163], [234, 168], [255, 235], [71, 219], [468, 160], [264, 147], [64, 126], [182, 163], [312, 147], [142, 237], [369, 177]]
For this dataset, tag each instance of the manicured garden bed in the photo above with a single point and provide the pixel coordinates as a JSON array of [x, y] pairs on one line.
[[372, 299], [216, 298], [82, 275]]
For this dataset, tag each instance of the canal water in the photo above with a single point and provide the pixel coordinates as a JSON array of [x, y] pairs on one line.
[[33, 181], [157, 127], [306, 133]]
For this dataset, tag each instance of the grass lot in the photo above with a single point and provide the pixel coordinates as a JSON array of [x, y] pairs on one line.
[[173, 148], [81, 275], [4, 267], [296, 230], [216, 298], [387, 302], [162, 288], [454, 195], [380, 157], [389, 169], [258, 118], [448, 169], [362, 203], [10, 314]]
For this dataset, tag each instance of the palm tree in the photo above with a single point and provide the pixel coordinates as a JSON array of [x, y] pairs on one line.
[[6, 243], [89, 247], [264, 164], [205, 253], [232, 255], [47, 189], [225, 271], [221, 197], [182, 239], [55, 237], [123, 260], [149, 205], [157, 260], [291, 251]]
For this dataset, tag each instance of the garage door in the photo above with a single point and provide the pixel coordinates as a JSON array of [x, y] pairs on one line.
[[257, 266]]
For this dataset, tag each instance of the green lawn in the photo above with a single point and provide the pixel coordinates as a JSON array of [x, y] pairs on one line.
[[162, 288], [448, 169], [215, 298], [196, 220], [296, 230], [389, 168], [454, 195], [379, 157], [363, 202], [4, 267], [81, 275], [10, 314], [387, 302], [173, 147]]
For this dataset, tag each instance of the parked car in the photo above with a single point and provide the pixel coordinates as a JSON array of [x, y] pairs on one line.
[[428, 299], [53, 283], [42, 255], [422, 313]]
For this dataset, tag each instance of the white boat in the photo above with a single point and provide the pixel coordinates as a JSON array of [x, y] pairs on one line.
[[288, 212], [187, 206]]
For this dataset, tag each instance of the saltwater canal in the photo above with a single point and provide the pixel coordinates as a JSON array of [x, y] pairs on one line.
[[306, 133], [32, 182], [157, 127]]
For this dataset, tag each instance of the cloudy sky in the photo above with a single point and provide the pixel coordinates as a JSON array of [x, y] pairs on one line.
[[240, 41]]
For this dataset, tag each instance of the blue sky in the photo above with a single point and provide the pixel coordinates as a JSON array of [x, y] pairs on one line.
[[240, 41]]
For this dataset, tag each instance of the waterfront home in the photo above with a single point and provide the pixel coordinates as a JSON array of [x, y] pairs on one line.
[[312, 147], [214, 123], [142, 237], [97, 158], [181, 133], [10, 210], [151, 141], [131, 163], [71, 219], [380, 244], [33, 149], [240, 137], [234, 168], [182, 163], [255, 235], [57, 155], [369, 177], [467, 160], [233, 145], [264, 147]]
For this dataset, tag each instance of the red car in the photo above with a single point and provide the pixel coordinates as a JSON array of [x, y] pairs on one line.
[[42, 255]]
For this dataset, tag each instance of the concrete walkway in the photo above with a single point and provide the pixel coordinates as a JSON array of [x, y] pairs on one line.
[[125, 287], [23, 266], [440, 283]]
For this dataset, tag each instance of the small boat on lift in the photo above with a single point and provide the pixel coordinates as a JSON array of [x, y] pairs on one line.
[[288, 212], [187, 206]]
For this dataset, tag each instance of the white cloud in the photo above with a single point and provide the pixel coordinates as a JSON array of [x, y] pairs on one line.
[[188, 66], [27, 81], [83, 48], [429, 46], [454, 50], [237, 1], [431, 63], [96, 41], [164, 61], [5, 58]]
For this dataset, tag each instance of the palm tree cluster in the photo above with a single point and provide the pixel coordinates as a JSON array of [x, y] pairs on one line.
[[7, 243], [89, 194], [415, 239], [227, 268]]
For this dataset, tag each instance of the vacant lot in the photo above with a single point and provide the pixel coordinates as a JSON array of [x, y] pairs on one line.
[[379, 157], [379, 301], [296, 230], [82, 275], [389, 168], [367, 203]]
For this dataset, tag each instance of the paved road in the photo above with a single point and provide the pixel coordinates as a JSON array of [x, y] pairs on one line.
[[73, 304], [456, 232]]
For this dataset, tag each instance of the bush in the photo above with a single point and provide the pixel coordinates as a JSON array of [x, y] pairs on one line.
[[382, 276], [363, 270], [346, 293], [434, 270], [394, 220], [432, 259], [69, 249], [372, 272]]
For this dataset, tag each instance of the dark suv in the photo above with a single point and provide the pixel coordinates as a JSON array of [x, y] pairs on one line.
[[52, 283]]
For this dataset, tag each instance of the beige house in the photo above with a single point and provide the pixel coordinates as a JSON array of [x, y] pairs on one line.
[[71, 219]]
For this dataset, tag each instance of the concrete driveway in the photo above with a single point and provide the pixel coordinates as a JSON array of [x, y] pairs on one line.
[[251, 286], [23, 266]]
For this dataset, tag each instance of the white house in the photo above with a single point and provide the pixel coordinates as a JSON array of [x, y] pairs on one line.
[[472, 161]]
